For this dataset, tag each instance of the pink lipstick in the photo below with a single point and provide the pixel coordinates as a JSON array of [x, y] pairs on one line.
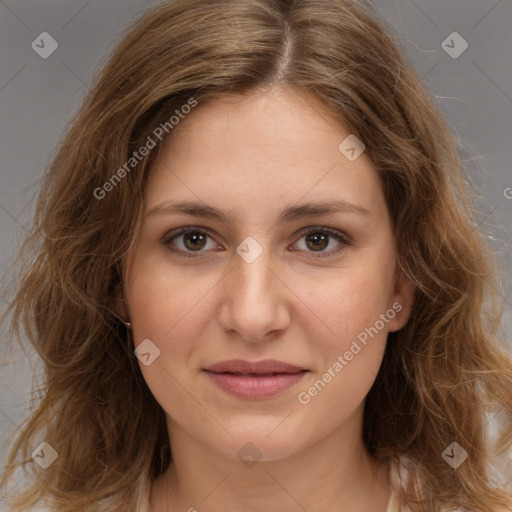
[[254, 380]]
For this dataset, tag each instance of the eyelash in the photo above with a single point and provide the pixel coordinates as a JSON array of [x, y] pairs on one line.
[[338, 236]]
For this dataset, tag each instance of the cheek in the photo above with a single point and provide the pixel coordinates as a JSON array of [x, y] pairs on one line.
[[164, 308], [351, 350], [347, 303], [352, 310], [165, 301]]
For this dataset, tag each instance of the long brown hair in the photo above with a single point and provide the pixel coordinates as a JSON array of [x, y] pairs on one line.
[[441, 373]]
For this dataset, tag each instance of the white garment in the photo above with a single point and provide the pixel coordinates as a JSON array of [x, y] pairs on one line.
[[397, 474]]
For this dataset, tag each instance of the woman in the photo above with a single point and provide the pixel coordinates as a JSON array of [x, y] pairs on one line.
[[258, 285]]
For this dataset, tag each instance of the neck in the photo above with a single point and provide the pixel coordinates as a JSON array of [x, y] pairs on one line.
[[335, 473]]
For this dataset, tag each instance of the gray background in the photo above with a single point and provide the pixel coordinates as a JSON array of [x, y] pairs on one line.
[[38, 97]]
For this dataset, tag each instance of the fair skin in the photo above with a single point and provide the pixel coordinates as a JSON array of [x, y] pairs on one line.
[[254, 156]]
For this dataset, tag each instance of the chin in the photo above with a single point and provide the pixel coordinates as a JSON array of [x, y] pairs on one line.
[[263, 445]]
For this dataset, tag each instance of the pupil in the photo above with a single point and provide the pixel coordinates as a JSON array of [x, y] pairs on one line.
[[323, 239], [196, 239]]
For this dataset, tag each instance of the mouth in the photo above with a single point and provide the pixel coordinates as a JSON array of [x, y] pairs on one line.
[[268, 366], [254, 380]]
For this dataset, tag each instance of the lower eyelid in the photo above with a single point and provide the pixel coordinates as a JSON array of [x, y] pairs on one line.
[[343, 240]]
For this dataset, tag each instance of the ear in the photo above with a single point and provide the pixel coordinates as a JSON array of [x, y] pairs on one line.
[[403, 299]]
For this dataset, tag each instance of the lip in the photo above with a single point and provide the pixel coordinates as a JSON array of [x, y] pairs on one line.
[[253, 380], [243, 366]]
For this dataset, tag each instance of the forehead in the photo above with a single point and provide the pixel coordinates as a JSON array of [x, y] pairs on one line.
[[270, 117], [268, 147]]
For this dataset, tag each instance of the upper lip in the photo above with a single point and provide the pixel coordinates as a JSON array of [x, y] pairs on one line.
[[242, 366]]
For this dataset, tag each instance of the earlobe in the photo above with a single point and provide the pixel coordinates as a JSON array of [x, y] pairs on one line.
[[403, 300]]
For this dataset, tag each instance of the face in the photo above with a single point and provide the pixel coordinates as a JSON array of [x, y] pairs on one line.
[[266, 278]]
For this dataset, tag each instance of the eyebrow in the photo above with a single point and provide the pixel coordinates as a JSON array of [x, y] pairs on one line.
[[289, 214]]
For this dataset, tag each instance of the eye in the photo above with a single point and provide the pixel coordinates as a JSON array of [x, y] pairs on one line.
[[318, 239], [193, 240]]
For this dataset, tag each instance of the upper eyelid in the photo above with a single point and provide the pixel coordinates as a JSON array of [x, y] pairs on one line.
[[178, 232]]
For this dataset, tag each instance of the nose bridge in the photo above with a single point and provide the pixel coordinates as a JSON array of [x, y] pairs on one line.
[[253, 260], [252, 299], [254, 276]]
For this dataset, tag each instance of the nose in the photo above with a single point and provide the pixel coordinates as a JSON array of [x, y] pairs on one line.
[[255, 299]]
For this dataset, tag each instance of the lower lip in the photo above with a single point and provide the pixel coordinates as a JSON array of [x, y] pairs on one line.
[[252, 386]]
